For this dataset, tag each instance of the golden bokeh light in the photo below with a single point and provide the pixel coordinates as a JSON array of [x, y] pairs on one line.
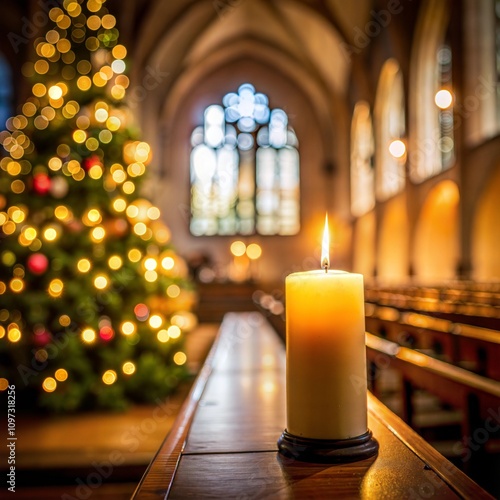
[[61, 375], [119, 204], [254, 251], [55, 92], [50, 233], [98, 234], [134, 255], [56, 288], [84, 265], [89, 335], [180, 358], [115, 262], [174, 332], [173, 291], [101, 282], [128, 368], [167, 263], [150, 264], [14, 334], [238, 248], [49, 384], [155, 321], [163, 336], [127, 328], [151, 276], [16, 285], [109, 377]]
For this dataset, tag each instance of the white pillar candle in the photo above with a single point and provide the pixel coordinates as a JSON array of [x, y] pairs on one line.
[[326, 358]]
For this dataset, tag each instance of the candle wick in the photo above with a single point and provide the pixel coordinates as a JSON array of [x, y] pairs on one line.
[[326, 268]]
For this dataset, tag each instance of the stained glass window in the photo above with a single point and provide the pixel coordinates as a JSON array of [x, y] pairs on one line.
[[244, 169]]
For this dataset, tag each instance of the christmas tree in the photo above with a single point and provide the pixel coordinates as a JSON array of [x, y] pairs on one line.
[[93, 300]]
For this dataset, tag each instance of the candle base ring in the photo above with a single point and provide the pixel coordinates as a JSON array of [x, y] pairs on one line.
[[328, 450]]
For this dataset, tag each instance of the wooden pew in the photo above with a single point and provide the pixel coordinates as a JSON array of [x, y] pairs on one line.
[[471, 347], [479, 308], [477, 396]]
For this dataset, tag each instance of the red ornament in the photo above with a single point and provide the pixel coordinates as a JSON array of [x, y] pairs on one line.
[[41, 183], [41, 338], [89, 162], [106, 333], [141, 312], [37, 263]]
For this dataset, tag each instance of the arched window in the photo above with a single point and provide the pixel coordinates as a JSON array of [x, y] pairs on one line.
[[390, 129], [432, 148], [5, 92], [362, 148], [482, 70], [444, 101], [244, 169]]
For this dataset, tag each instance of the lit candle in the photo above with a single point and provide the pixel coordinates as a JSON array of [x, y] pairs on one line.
[[325, 353]]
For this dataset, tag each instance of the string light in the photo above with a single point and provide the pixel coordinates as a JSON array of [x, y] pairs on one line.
[[134, 255], [88, 335], [56, 288], [16, 285], [50, 233], [64, 320], [155, 321], [55, 92], [61, 375], [163, 336], [167, 263], [173, 291], [119, 204], [109, 377], [84, 265], [150, 264], [115, 262], [49, 384], [127, 328], [101, 282], [98, 234], [180, 358], [14, 334], [128, 368]]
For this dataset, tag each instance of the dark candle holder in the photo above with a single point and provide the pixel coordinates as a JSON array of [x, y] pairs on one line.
[[328, 450]]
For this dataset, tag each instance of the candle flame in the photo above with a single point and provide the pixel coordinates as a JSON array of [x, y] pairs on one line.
[[325, 247]]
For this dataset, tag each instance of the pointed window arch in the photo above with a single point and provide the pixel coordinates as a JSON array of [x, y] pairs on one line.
[[432, 148], [244, 169], [390, 129], [362, 149]]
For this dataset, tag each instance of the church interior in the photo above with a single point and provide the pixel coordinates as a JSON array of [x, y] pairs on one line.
[[166, 167]]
